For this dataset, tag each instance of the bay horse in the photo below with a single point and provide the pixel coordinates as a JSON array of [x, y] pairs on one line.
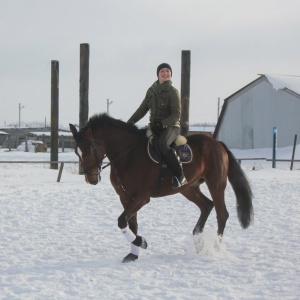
[[136, 178]]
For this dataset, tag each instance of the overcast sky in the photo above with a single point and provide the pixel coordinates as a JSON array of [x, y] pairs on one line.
[[231, 41]]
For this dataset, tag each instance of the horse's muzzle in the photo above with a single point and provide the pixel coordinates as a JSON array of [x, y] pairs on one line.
[[93, 179]]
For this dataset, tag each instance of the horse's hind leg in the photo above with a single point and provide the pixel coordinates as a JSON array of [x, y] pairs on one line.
[[205, 205], [220, 207]]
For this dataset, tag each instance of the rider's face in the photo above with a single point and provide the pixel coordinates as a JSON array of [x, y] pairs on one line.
[[164, 75]]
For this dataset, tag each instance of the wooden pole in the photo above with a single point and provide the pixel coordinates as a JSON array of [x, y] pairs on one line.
[[26, 144], [60, 171], [84, 88], [185, 90], [274, 147], [54, 112], [84, 84], [293, 155], [62, 143]]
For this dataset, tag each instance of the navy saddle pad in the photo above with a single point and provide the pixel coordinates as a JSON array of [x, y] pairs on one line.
[[184, 152]]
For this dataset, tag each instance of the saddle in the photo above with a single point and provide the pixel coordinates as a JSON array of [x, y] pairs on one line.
[[180, 145]]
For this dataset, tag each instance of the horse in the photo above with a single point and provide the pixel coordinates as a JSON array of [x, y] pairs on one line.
[[136, 178]]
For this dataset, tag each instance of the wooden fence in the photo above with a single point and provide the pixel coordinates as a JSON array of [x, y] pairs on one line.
[[62, 163]]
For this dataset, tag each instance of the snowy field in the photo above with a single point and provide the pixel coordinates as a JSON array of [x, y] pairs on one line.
[[61, 240]]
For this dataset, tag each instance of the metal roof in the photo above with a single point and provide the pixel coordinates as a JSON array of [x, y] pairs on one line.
[[283, 82]]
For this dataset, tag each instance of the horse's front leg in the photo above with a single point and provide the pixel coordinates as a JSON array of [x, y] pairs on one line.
[[133, 226], [127, 222]]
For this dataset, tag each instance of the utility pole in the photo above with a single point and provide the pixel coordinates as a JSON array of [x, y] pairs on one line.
[[108, 104], [20, 107]]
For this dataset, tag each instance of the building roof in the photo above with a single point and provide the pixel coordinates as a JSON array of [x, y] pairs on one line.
[[27, 131], [279, 82]]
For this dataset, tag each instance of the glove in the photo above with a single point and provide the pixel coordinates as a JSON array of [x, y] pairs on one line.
[[157, 128]]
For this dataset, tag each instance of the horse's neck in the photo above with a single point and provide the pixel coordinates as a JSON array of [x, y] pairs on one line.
[[119, 143]]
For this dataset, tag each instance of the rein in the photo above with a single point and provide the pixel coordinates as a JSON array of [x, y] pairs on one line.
[[123, 154], [99, 162]]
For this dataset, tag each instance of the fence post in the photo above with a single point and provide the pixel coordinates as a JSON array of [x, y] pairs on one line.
[[26, 144], [54, 113], [293, 155], [274, 147], [84, 84], [60, 171], [84, 88], [62, 143], [185, 90]]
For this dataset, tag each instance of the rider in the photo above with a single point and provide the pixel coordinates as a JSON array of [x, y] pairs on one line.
[[163, 102]]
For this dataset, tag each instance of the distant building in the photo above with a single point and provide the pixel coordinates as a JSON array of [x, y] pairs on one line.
[[203, 129], [3, 136], [248, 116], [13, 137]]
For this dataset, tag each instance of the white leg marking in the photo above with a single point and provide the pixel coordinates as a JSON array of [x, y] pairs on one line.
[[129, 235], [135, 249]]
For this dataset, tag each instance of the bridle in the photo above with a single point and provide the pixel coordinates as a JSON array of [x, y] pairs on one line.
[[98, 162]]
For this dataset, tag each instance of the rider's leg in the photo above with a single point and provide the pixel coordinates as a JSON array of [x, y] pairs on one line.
[[165, 139]]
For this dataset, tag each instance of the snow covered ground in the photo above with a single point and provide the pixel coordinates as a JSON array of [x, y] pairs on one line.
[[61, 240]]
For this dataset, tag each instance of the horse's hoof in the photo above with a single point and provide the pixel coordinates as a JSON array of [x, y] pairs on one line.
[[140, 242], [197, 231], [129, 258]]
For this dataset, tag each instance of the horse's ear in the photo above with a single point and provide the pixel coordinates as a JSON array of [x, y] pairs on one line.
[[73, 130]]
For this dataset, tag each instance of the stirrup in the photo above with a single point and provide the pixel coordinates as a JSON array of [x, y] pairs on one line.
[[178, 182]]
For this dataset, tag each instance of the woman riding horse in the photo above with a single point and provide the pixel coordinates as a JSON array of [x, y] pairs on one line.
[[136, 178], [163, 102]]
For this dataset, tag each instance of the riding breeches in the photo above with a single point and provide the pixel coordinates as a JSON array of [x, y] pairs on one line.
[[166, 138]]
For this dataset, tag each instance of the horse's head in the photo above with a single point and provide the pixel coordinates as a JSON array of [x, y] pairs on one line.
[[91, 153]]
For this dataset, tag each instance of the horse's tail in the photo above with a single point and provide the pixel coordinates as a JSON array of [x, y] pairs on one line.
[[242, 190]]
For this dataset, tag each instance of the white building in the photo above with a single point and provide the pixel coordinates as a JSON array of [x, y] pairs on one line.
[[248, 116]]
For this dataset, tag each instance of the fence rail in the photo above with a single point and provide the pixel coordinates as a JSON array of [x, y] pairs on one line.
[[37, 162], [272, 160], [77, 162], [296, 160]]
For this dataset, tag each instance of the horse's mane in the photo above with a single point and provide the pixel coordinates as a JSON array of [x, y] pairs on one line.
[[105, 121]]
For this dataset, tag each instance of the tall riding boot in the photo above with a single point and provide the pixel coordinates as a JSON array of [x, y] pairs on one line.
[[174, 164]]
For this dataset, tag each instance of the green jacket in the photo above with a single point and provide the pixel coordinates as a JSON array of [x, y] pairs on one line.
[[163, 102]]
